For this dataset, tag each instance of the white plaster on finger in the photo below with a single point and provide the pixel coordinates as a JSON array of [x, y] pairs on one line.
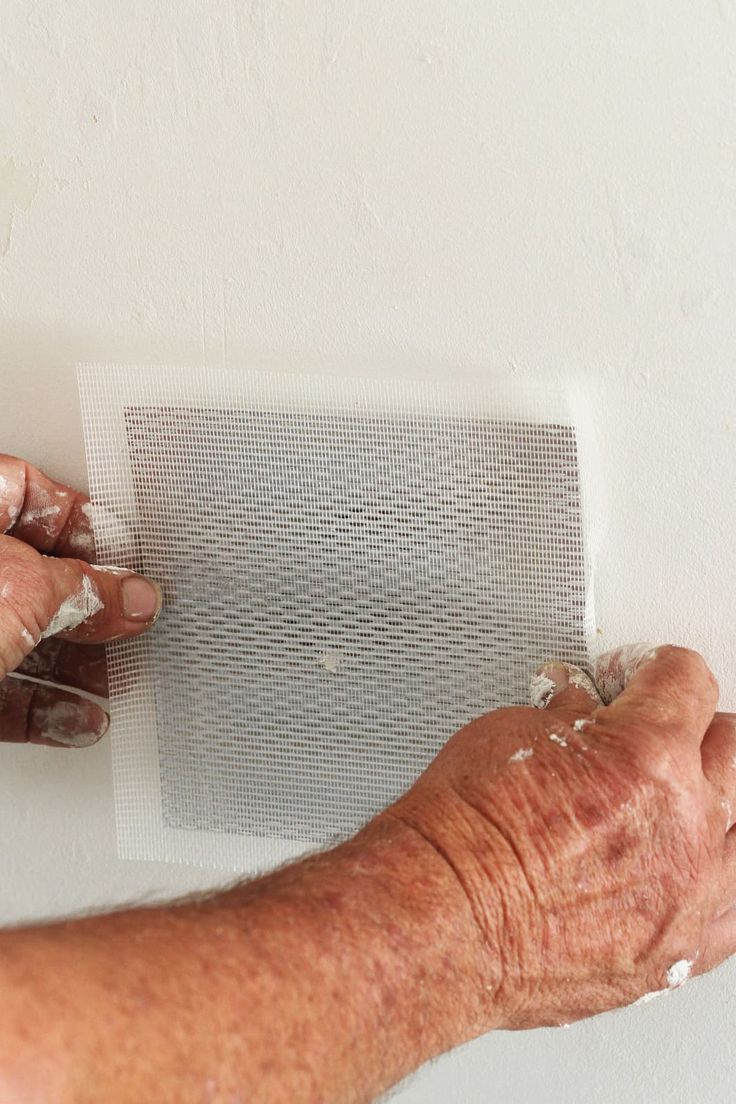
[[541, 689], [75, 609], [60, 722], [613, 671]]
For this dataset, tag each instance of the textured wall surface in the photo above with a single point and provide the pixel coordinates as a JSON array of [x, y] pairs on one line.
[[424, 189]]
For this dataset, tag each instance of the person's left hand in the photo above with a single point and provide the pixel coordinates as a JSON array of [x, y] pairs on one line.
[[57, 610]]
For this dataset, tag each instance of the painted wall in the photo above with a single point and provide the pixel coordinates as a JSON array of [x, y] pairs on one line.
[[535, 190]]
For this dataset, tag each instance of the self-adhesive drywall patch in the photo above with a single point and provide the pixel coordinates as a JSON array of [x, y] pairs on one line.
[[352, 570]]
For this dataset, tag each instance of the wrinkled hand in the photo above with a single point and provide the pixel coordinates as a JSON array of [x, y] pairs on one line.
[[591, 840], [56, 610]]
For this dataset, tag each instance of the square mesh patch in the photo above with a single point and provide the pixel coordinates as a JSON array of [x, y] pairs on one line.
[[352, 571]]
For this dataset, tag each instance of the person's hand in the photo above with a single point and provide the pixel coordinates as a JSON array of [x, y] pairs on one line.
[[591, 841], [56, 611]]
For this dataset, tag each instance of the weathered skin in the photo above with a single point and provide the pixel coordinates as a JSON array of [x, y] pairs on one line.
[[600, 860], [550, 864]]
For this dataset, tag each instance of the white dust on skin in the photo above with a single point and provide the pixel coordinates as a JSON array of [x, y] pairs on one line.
[[75, 609], [60, 722], [676, 976], [43, 517], [541, 689], [40, 513], [9, 490], [614, 670], [81, 536], [648, 997], [557, 739], [43, 508], [679, 972], [522, 754], [584, 682]]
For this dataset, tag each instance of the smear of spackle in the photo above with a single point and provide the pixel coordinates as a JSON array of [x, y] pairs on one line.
[[75, 609], [584, 682], [557, 739], [60, 722], [521, 754], [679, 972], [648, 997], [8, 490], [330, 661], [611, 677], [40, 515], [580, 724], [80, 538], [541, 689]]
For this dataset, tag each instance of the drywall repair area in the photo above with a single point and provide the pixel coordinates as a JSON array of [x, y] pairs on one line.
[[533, 194]]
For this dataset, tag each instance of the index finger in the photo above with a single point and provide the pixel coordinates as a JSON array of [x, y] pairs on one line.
[[44, 513], [671, 690]]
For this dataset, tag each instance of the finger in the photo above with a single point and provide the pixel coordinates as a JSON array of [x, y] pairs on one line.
[[41, 596], [567, 689], [665, 690], [613, 671], [45, 514], [36, 714], [82, 666], [718, 753]]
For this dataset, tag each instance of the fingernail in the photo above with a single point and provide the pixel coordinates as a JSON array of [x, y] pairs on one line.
[[65, 721], [558, 676], [614, 670], [546, 681], [141, 598]]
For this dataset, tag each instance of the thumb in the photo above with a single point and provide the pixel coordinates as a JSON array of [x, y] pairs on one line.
[[565, 688], [42, 596], [669, 690]]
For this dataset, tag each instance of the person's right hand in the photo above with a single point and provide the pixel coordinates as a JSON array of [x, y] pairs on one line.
[[57, 610], [590, 839]]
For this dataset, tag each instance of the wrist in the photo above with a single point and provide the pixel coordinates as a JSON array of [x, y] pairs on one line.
[[445, 953]]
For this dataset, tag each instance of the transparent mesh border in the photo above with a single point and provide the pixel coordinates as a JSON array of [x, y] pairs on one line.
[[106, 391]]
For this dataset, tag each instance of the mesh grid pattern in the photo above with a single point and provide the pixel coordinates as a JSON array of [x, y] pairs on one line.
[[352, 570]]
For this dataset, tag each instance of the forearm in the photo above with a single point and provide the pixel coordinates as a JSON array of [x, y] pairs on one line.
[[326, 981]]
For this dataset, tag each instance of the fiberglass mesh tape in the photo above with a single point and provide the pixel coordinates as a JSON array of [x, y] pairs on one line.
[[352, 569]]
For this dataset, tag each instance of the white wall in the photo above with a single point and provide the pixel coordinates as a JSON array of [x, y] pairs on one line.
[[434, 188]]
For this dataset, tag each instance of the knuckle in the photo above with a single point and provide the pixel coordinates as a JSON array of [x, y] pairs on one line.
[[689, 664], [655, 757]]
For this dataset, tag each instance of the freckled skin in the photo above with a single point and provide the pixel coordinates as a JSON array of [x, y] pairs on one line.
[[498, 892], [630, 815]]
